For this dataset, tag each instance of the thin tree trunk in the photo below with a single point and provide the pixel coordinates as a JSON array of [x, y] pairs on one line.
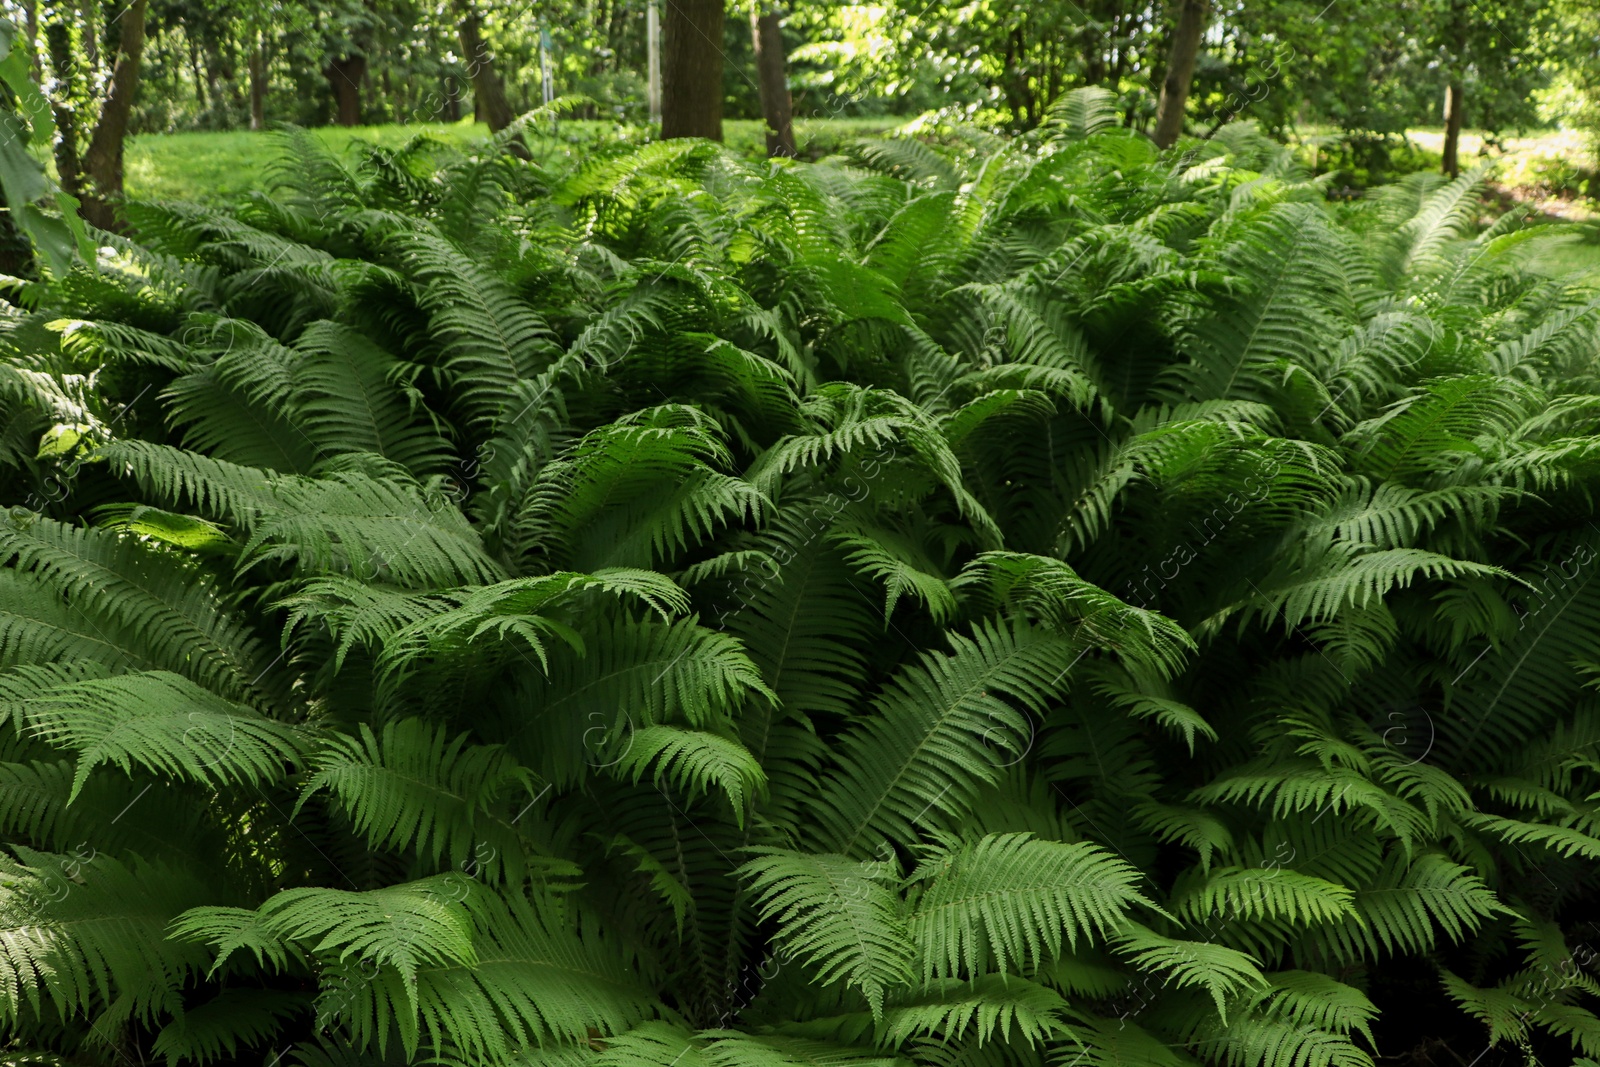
[[615, 29], [1094, 49], [1009, 75], [230, 72], [33, 37], [16, 253], [600, 18], [258, 85], [1453, 104], [1180, 71], [691, 69], [69, 167], [91, 34], [102, 163], [218, 105], [452, 99], [772, 75], [1119, 54], [199, 78], [344, 76], [491, 104]]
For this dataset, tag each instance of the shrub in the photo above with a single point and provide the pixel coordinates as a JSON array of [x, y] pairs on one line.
[[996, 603]]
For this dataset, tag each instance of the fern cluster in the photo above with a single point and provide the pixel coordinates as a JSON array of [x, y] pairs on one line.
[[965, 603]]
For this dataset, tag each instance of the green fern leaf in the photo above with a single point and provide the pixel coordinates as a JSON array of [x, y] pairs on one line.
[[163, 723], [1004, 902], [841, 916]]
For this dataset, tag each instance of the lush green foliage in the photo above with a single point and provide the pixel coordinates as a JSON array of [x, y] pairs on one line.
[[1031, 602]]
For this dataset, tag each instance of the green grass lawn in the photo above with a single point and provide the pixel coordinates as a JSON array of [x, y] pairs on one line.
[[1577, 254], [221, 166]]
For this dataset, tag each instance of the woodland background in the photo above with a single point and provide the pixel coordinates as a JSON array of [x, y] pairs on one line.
[[1345, 81]]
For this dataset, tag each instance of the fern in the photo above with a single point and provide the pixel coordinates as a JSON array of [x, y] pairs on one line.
[[1003, 903], [79, 933], [469, 609], [415, 787], [695, 759], [842, 916], [941, 730], [163, 723]]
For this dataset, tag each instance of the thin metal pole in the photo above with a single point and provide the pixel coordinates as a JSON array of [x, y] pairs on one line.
[[545, 75], [653, 51]]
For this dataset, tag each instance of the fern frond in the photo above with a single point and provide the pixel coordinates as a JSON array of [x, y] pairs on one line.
[[696, 760], [351, 396], [1050, 592], [1274, 893], [164, 723], [842, 916], [1080, 113], [1407, 904], [414, 787], [227, 1025], [1223, 972], [1003, 903], [539, 976], [81, 932], [401, 927], [488, 337], [370, 526], [985, 1009], [940, 730], [153, 605]]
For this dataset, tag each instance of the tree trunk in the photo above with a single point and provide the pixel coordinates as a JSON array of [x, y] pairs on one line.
[[102, 163], [452, 99], [1180, 71], [772, 75], [218, 104], [487, 88], [1119, 54], [33, 37], [199, 79], [1008, 76], [344, 75], [600, 18], [58, 40], [258, 85], [91, 34], [615, 30], [691, 69], [490, 95], [1095, 44], [16, 254], [493, 107], [1452, 127], [229, 65]]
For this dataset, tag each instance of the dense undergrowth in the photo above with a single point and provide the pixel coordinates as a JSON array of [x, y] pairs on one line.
[[1020, 602]]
